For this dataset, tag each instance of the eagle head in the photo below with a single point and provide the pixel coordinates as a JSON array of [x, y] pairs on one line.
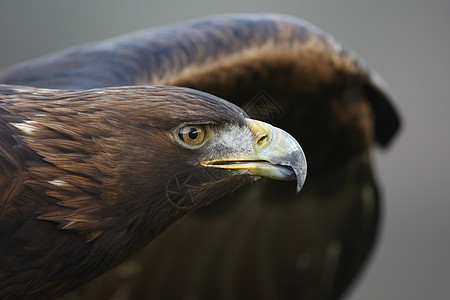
[[97, 174]]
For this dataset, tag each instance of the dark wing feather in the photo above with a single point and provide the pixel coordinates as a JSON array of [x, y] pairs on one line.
[[264, 241], [233, 56]]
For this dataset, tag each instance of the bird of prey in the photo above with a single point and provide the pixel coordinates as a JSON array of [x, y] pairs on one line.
[[103, 146]]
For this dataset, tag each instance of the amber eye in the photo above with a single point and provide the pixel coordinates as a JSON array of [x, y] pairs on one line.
[[193, 134]]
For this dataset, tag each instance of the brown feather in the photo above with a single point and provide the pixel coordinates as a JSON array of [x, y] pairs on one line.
[[254, 245], [84, 169]]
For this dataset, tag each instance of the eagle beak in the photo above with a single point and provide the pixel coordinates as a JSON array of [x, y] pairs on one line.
[[276, 154]]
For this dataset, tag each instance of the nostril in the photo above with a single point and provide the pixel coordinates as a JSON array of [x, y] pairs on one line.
[[262, 140]]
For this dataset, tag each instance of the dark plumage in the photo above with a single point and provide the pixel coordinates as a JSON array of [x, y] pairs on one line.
[[89, 177], [261, 243]]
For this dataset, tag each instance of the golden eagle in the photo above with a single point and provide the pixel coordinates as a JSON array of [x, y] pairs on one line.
[[103, 146]]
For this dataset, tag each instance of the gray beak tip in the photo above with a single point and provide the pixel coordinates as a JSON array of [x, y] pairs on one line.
[[301, 177]]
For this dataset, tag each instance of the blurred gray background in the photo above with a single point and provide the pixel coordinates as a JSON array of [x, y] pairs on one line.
[[407, 41]]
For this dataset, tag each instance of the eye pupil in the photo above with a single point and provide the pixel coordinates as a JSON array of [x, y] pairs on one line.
[[193, 133]]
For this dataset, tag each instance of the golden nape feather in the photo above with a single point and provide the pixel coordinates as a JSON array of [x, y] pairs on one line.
[[105, 146]]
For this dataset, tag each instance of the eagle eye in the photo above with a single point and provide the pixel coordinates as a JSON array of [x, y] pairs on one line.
[[193, 135]]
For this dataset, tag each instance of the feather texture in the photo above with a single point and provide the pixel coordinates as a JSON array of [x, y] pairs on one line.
[[263, 242]]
